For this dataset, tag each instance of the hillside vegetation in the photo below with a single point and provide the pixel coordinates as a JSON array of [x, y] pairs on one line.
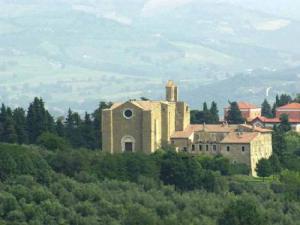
[[85, 187]]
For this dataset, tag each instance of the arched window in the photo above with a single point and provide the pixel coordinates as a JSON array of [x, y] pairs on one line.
[[128, 144]]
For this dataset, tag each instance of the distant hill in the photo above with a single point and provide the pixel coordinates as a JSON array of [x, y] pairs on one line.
[[76, 53]]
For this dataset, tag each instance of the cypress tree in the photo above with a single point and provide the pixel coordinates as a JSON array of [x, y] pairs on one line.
[[38, 120], [266, 109], [214, 113], [88, 134], [284, 125], [9, 134], [73, 131], [234, 115], [20, 125], [278, 142], [59, 127], [2, 120], [207, 118]]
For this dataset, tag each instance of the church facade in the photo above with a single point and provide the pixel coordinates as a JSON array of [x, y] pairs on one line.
[[145, 126]]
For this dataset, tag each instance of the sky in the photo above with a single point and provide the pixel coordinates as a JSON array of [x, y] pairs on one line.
[[155, 5]]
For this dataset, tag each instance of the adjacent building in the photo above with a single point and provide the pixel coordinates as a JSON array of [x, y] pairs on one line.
[[239, 143], [249, 111], [292, 110]]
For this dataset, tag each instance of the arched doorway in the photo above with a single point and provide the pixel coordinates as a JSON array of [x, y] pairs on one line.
[[128, 144]]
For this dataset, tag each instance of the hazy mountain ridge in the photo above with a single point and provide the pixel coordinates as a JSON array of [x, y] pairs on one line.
[[76, 53]]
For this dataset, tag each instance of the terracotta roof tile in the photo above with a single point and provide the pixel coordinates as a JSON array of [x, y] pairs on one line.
[[187, 132], [255, 128], [274, 120], [293, 105], [246, 105], [239, 138]]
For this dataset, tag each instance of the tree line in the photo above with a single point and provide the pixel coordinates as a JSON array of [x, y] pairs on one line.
[[234, 115], [26, 126]]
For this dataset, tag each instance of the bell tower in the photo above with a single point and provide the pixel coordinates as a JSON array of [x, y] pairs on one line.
[[171, 92]]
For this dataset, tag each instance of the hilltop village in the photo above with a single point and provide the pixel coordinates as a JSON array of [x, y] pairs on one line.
[[146, 126]]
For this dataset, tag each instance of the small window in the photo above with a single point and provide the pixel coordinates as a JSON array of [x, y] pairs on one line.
[[207, 147], [243, 148], [200, 147], [185, 149], [228, 148], [215, 147], [193, 147]]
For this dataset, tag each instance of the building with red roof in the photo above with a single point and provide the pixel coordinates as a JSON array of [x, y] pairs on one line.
[[249, 111], [292, 110]]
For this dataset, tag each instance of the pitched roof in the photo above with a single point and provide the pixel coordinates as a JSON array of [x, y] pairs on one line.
[[274, 120], [187, 132], [293, 105], [217, 128], [255, 128], [246, 105], [145, 105], [116, 105], [211, 128], [240, 137]]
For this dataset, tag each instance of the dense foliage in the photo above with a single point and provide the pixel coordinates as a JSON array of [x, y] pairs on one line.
[[17, 126], [206, 115], [86, 187]]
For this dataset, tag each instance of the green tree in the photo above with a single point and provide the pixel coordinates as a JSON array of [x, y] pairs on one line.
[[281, 101], [7, 165], [7, 124], [275, 164], [264, 168], [266, 109], [73, 129], [234, 114], [284, 125], [279, 142], [242, 212], [38, 120], [19, 117], [59, 127], [88, 132], [51, 141], [214, 113]]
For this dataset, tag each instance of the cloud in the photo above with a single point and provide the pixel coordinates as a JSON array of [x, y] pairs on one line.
[[152, 6], [111, 15], [272, 25]]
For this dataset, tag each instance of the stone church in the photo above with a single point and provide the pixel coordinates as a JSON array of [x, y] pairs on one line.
[[146, 126]]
